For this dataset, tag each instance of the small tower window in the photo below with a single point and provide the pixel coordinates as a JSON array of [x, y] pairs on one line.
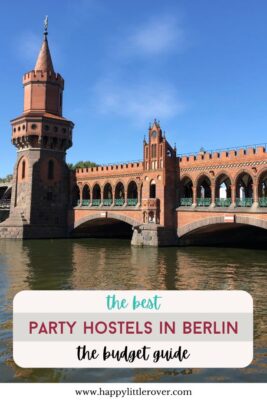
[[34, 126], [154, 150], [152, 192], [23, 169], [46, 127], [51, 168]]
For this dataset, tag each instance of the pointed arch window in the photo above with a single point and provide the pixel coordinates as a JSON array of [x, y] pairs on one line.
[[23, 170], [51, 169]]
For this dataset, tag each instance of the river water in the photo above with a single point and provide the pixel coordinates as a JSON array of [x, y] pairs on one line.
[[114, 264]]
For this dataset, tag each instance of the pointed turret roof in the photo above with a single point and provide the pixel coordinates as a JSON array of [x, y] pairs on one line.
[[44, 60]]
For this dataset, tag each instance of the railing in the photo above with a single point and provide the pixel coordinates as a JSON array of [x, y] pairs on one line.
[[96, 202], [186, 201], [246, 202], [5, 204], [205, 202], [263, 201], [119, 202], [222, 202], [132, 202], [107, 202]]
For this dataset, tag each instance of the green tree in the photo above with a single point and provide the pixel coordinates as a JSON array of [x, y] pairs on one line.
[[82, 164], [7, 178]]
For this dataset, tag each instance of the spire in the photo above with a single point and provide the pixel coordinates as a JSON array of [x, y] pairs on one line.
[[44, 60]]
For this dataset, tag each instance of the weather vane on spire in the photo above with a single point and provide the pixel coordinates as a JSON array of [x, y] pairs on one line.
[[46, 25]]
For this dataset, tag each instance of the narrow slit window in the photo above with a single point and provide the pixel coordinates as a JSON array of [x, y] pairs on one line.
[[51, 169], [23, 171]]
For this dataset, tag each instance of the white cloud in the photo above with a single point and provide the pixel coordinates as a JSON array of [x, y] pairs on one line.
[[140, 103], [157, 36]]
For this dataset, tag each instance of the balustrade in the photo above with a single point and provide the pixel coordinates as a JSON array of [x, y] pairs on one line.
[[132, 202], [263, 201], [222, 202], [184, 201], [203, 202], [245, 202], [119, 202], [96, 202], [107, 202]]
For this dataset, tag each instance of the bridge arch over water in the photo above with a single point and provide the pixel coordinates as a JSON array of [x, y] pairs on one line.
[[219, 220], [105, 224], [108, 216]]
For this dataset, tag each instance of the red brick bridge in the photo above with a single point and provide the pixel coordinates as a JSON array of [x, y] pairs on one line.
[[174, 196], [164, 199]]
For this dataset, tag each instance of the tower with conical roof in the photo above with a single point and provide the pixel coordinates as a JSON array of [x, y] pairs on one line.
[[40, 192]]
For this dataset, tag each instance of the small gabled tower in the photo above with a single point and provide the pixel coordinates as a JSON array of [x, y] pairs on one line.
[[159, 167], [40, 192], [159, 191]]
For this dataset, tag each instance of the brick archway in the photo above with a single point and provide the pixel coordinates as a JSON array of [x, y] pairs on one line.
[[245, 220], [108, 215]]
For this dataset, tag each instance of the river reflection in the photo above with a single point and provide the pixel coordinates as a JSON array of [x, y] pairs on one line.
[[114, 264]]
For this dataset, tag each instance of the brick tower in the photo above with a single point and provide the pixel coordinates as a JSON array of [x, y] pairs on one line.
[[159, 197], [40, 191]]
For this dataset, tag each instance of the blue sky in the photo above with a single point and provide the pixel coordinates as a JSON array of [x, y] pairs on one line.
[[199, 66]]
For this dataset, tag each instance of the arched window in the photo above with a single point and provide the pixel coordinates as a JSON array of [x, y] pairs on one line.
[[132, 194], [96, 200], [152, 190], [223, 191], [203, 191], [51, 168], [107, 200], [244, 190], [23, 170], [86, 195], [86, 192], [262, 189], [119, 194], [186, 192]]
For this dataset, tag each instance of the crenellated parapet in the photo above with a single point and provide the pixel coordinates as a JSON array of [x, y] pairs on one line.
[[216, 157], [110, 170], [43, 76]]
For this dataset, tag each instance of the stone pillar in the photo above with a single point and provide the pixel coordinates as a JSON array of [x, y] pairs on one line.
[[113, 196], [101, 195], [138, 196], [125, 197], [233, 196], [255, 195], [212, 194], [90, 196], [194, 189], [81, 195]]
